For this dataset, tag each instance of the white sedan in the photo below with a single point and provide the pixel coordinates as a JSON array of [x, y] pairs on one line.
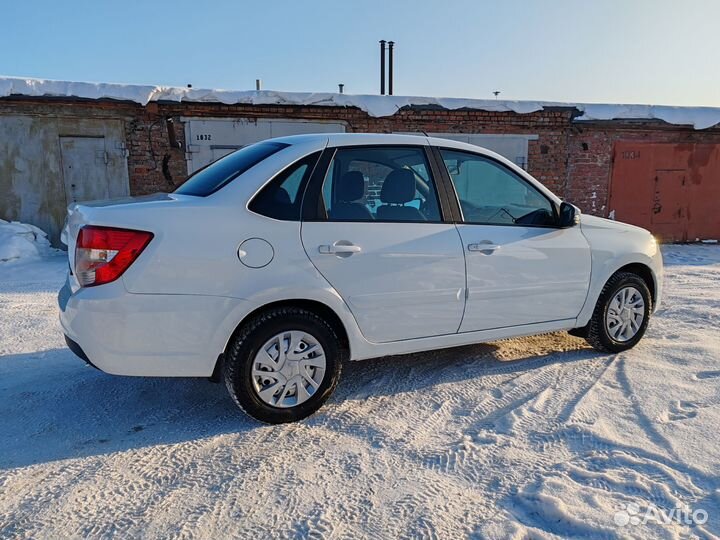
[[271, 266]]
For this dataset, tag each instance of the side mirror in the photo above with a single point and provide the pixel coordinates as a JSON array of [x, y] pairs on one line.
[[569, 215]]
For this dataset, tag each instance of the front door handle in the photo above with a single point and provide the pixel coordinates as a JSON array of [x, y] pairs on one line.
[[485, 246], [341, 247]]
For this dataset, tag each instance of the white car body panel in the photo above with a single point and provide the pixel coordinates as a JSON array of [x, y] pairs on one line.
[[532, 275], [615, 245], [150, 334], [174, 310], [419, 290]]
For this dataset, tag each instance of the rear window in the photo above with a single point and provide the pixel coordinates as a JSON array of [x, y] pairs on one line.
[[221, 172]]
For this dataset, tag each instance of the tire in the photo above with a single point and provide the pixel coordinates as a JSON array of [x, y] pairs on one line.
[[246, 363], [600, 333]]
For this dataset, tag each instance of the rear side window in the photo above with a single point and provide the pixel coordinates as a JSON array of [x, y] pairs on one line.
[[282, 197], [385, 183], [221, 172]]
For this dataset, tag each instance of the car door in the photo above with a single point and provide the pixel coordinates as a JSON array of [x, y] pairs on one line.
[[521, 267], [376, 233]]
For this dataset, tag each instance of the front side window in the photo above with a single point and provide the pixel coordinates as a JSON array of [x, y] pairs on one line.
[[489, 193], [221, 172], [380, 184]]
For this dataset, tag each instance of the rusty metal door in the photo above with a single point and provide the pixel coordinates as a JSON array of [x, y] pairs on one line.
[[671, 189], [669, 216]]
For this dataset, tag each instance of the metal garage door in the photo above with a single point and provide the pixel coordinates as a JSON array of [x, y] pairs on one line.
[[84, 163], [211, 138], [671, 189], [513, 147], [47, 162]]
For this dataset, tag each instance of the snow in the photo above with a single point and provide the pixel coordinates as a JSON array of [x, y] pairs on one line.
[[374, 105], [22, 242], [538, 437]]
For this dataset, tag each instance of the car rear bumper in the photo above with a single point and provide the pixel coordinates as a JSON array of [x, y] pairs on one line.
[[77, 350], [147, 334]]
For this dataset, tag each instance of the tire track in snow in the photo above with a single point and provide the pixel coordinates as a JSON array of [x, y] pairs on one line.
[[443, 444]]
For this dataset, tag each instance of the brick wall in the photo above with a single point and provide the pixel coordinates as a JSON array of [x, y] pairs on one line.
[[154, 163], [574, 159], [547, 155]]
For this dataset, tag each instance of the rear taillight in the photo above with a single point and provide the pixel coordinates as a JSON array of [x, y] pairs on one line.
[[102, 254]]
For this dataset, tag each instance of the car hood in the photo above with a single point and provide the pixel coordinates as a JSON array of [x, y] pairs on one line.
[[595, 222]]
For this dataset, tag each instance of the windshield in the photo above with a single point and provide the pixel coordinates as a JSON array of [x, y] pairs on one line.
[[221, 172]]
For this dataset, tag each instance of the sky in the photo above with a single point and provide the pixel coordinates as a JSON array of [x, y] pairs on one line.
[[604, 51]]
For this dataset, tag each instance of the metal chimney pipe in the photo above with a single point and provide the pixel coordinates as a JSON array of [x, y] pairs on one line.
[[341, 86], [258, 84], [382, 67], [391, 44]]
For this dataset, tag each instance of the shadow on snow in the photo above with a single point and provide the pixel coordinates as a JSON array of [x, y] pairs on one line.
[[58, 408]]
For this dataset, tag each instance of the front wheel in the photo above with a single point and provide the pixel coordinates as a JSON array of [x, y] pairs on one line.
[[621, 315], [283, 365]]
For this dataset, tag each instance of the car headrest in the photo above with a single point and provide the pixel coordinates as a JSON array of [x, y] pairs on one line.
[[399, 187], [351, 187], [282, 196]]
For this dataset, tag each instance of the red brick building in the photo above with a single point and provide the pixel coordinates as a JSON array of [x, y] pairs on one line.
[[56, 149]]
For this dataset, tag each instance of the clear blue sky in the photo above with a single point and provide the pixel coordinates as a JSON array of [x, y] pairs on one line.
[[639, 51]]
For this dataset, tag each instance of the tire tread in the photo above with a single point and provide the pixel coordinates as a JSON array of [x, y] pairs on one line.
[[596, 335]]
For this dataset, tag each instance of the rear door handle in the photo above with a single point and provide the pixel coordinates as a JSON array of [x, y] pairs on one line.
[[338, 248], [486, 247]]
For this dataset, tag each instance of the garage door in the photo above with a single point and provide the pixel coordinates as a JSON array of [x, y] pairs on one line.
[[670, 189], [513, 147], [48, 162], [211, 138], [84, 163]]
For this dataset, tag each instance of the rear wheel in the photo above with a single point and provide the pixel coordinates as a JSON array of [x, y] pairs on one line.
[[621, 315], [283, 365]]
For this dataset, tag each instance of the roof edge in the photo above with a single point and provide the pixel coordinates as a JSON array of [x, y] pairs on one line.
[[373, 105]]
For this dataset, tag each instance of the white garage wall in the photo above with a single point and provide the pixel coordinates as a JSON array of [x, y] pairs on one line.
[[208, 139]]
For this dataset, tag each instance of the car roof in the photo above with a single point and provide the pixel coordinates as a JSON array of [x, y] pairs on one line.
[[358, 139], [350, 139]]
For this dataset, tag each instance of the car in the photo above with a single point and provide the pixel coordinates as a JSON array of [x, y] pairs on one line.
[[272, 266]]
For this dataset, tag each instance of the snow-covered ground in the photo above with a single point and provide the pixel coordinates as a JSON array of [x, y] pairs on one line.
[[531, 437]]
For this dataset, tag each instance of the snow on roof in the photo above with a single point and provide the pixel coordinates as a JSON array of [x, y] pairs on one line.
[[374, 105]]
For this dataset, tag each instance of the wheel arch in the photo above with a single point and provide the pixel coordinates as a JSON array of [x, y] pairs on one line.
[[643, 271], [637, 264], [319, 308]]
